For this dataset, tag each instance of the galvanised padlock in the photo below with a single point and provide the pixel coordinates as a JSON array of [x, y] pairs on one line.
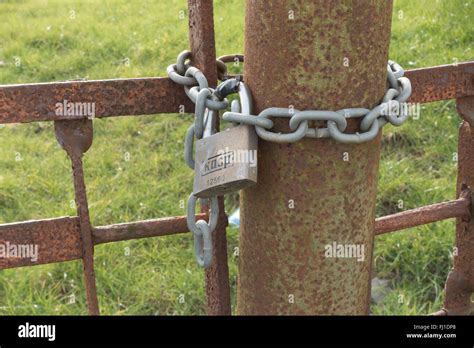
[[227, 161]]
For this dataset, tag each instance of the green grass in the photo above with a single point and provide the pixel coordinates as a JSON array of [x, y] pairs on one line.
[[107, 39]]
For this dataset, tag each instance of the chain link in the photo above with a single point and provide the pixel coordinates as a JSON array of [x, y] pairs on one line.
[[208, 102], [390, 110], [202, 230]]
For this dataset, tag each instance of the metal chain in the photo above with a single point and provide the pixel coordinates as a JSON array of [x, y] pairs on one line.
[[208, 102], [390, 110]]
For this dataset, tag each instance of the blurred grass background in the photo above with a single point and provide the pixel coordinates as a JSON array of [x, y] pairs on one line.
[[135, 169]]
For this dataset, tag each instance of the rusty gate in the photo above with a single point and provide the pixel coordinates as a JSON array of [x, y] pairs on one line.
[[71, 238]]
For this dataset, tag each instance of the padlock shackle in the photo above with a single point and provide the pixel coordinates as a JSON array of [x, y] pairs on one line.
[[209, 117], [246, 101]]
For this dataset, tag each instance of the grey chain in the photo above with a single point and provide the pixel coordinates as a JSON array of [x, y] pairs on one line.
[[390, 110], [207, 102]]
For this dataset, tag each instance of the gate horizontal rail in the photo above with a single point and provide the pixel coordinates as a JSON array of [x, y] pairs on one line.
[[458, 208], [154, 95], [59, 239], [143, 96], [62, 236]]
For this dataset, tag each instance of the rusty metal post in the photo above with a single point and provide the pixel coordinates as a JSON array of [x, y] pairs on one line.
[[460, 282], [201, 38], [313, 193]]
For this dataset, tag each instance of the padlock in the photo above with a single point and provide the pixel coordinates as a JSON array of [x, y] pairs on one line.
[[225, 162]]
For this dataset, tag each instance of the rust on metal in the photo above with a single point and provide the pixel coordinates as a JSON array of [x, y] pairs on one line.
[[142, 229], [59, 239], [75, 137], [284, 225], [217, 275], [119, 97], [62, 235], [460, 207], [54, 240], [201, 38], [202, 43], [465, 107], [145, 96], [460, 283], [441, 82], [307, 196]]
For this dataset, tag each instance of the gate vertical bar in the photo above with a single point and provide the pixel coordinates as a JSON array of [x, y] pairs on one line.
[[202, 42], [75, 137], [460, 282], [313, 195]]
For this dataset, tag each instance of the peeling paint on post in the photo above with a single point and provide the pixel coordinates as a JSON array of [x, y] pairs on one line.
[[312, 55]]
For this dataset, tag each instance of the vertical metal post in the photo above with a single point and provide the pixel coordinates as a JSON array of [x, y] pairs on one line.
[[460, 282], [313, 193], [202, 42]]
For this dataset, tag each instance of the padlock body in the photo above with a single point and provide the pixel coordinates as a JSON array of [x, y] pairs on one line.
[[225, 162]]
